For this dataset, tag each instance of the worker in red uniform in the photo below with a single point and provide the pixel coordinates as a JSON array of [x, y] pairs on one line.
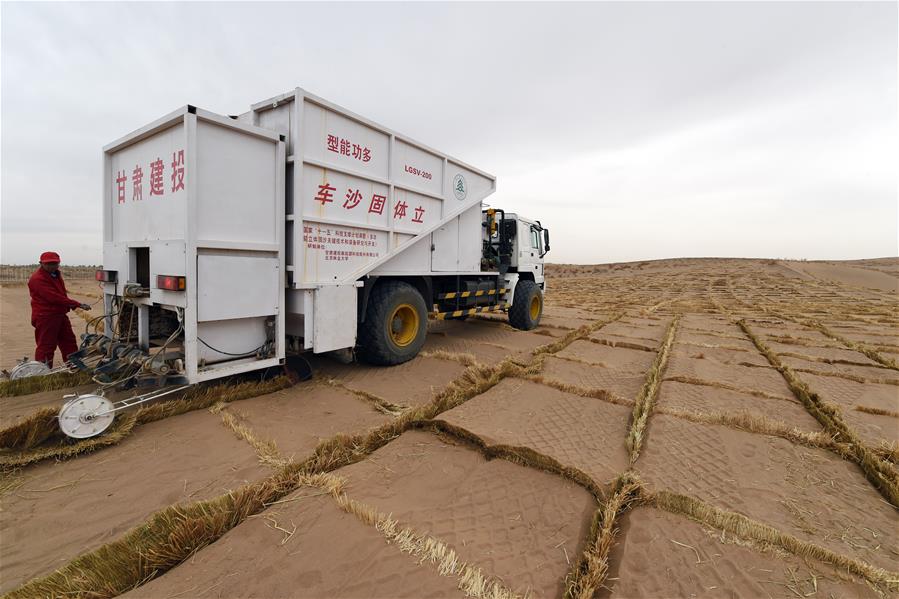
[[50, 304]]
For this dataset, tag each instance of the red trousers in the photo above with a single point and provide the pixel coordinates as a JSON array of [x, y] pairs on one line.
[[52, 331]]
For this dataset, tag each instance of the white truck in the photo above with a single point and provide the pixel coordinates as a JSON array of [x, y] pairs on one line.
[[230, 243]]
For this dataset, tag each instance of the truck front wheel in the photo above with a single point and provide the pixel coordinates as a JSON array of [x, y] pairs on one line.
[[395, 326], [527, 306]]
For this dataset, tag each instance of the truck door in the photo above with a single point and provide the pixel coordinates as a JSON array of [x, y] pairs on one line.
[[530, 247]]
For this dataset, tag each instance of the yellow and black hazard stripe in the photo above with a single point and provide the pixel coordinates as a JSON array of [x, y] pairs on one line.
[[469, 311], [455, 294]]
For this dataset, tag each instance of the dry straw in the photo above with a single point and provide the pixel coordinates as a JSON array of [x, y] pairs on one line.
[[434, 552], [592, 568], [175, 533], [594, 393], [378, 403], [521, 455], [38, 437], [849, 377], [30, 431], [753, 423], [621, 344], [689, 380], [463, 358], [881, 474], [647, 397], [817, 325], [823, 360], [265, 449], [165, 540], [748, 529], [803, 341], [853, 345], [581, 361], [877, 411], [201, 397], [58, 447], [37, 384], [888, 451], [580, 333]]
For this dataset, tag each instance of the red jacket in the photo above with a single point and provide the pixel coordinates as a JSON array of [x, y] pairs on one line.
[[48, 294]]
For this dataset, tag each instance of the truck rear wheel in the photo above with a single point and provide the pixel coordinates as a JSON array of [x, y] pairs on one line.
[[527, 306], [395, 326]]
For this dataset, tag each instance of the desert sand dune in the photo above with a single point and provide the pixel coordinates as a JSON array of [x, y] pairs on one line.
[[856, 274], [679, 428]]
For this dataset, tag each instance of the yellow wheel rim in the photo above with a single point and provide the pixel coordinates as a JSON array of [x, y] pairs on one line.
[[535, 307], [402, 326]]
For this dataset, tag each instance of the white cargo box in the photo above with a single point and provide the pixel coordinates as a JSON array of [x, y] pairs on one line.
[[362, 199], [274, 219], [201, 196]]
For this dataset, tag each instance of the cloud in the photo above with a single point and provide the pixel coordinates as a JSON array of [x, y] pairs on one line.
[[642, 130], [768, 182]]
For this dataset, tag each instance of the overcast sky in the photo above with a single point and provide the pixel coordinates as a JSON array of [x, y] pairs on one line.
[[633, 131]]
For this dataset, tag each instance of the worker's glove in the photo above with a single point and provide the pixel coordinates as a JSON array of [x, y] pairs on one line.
[[85, 306]]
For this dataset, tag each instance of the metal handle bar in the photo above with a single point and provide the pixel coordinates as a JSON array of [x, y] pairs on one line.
[[139, 399]]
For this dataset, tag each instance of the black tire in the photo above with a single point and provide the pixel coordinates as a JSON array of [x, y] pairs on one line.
[[395, 326], [527, 306]]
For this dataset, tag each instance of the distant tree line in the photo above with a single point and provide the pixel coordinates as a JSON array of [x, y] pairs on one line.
[[11, 273]]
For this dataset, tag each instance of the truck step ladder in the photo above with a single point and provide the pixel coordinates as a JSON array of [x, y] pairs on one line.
[[469, 311], [455, 294]]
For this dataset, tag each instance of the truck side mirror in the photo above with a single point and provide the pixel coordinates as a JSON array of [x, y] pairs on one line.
[[545, 240]]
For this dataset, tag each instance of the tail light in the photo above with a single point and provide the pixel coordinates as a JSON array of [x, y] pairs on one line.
[[170, 282], [106, 276]]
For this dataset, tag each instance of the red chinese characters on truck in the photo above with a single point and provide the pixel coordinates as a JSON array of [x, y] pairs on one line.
[[325, 194], [137, 177], [377, 204], [157, 181], [354, 197], [177, 170], [345, 147], [120, 186]]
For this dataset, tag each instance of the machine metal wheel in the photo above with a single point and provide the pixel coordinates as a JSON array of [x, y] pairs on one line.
[[85, 416], [527, 306], [395, 326], [29, 368]]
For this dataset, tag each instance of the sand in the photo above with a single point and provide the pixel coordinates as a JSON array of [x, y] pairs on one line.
[[576, 431], [815, 491], [332, 554], [664, 555], [299, 418], [490, 341], [59, 510], [516, 522], [409, 384], [855, 275], [701, 399]]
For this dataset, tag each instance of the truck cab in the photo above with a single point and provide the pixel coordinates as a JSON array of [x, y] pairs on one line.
[[514, 247], [514, 244], [528, 252]]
